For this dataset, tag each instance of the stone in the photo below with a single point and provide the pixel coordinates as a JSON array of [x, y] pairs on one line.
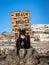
[[31, 61], [29, 53], [25, 57], [22, 62], [22, 53]]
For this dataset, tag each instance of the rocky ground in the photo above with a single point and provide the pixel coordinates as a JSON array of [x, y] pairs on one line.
[[25, 57]]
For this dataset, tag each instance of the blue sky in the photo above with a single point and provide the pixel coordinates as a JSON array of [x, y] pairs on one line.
[[39, 12]]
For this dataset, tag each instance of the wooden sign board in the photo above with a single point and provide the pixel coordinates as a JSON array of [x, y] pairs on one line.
[[20, 20], [20, 14]]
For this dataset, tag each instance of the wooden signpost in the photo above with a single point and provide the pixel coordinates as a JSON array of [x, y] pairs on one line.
[[20, 20]]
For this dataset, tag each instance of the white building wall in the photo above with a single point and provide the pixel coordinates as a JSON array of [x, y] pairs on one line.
[[43, 44]]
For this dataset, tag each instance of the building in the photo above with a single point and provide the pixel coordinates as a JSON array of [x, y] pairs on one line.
[[7, 37], [7, 40], [40, 37]]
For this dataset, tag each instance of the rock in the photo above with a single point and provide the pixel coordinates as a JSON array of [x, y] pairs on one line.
[[29, 53], [31, 61], [22, 62], [9, 59], [17, 60], [43, 63], [2, 63], [25, 57], [22, 53]]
